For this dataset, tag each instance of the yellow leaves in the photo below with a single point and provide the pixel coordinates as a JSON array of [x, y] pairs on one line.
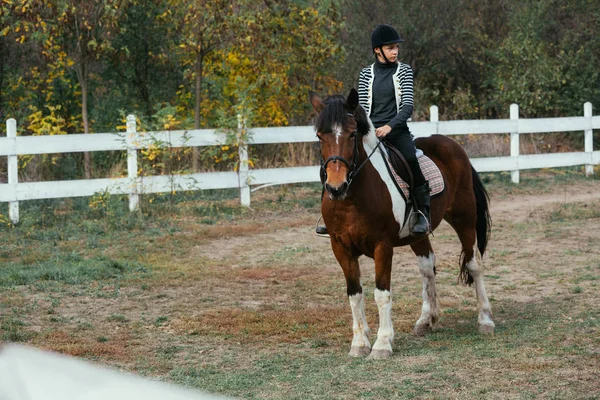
[[5, 221], [50, 124], [232, 58], [152, 153], [171, 122]]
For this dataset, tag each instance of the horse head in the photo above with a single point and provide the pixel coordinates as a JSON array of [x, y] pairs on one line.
[[340, 124]]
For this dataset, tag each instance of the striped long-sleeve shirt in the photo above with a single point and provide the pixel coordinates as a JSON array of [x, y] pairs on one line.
[[402, 80]]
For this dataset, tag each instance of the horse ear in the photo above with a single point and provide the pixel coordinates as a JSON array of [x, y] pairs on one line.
[[316, 102], [352, 100]]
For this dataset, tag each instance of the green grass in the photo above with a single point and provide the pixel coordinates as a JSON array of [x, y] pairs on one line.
[[70, 269], [574, 212], [13, 329]]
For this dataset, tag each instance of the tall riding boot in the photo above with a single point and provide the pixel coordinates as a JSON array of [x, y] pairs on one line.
[[423, 202], [321, 230]]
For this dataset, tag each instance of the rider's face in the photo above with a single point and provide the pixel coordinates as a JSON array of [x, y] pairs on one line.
[[390, 51]]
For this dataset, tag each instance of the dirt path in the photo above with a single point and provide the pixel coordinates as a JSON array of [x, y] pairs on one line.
[[294, 233], [522, 205]]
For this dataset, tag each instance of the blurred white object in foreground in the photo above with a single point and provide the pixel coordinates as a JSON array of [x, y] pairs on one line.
[[30, 374]]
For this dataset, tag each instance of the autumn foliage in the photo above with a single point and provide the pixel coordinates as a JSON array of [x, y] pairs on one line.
[[73, 66]]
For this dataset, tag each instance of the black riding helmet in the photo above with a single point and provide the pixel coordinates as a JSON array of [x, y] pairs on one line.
[[382, 35]]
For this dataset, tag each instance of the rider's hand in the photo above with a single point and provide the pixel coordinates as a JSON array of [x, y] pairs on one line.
[[383, 130]]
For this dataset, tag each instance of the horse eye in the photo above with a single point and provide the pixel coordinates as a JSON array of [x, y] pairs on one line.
[[352, 135], [319, 137]]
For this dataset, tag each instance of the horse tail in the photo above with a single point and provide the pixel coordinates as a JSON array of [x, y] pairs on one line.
[[483, 226]]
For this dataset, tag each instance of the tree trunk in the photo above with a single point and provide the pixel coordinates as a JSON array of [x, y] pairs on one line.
[[84, 115], [196, 150], [1, 77]]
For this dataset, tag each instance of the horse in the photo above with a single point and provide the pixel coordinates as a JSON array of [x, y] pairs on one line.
[[358, 209]]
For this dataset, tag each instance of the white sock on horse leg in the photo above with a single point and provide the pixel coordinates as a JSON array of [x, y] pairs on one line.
[[430, 309], [385, 334]]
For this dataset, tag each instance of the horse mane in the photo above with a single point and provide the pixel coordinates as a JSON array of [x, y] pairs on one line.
[[362, 121], [336, 113]]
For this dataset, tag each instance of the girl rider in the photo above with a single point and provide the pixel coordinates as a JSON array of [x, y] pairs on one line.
[[385, 90]]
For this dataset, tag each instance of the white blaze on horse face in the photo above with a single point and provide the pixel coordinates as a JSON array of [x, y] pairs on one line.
[[398, 204], [385, 334], [337, 131], [360, 328], [483, 304]]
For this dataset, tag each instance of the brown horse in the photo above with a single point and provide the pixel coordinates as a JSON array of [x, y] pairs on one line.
[[360, 212]]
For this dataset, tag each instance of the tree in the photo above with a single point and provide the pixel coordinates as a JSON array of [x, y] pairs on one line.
[[140, 57], [84, 30], [22, 29], [199, 27]]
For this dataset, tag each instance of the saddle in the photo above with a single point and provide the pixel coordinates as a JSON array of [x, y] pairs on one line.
[[399, 164], [402, 174]]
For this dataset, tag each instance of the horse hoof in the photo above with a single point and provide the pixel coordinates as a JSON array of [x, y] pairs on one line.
[[486, 329], [356, 351], [423, 329], [379, 354]]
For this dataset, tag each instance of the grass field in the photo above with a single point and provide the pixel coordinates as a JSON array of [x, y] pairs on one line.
[[249, 303]]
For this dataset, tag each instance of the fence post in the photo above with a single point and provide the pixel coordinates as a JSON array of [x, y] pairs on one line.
[[243, 165], [13, 170], [514, 142], [588, 138], [132, 164], [434, 116]]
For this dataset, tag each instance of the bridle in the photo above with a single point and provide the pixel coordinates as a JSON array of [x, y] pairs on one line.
[[354, 170]]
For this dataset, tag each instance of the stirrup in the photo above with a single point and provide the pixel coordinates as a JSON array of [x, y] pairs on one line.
[[321, 231], [427, 226]]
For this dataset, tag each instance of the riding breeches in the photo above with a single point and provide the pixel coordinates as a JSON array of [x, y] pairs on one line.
[[401, 139]]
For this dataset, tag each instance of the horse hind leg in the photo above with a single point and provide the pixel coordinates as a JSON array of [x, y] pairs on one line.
[[471, 270], [431, 306], [472, 266]]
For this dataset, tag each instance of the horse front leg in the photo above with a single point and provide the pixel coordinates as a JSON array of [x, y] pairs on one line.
[[383, 297], [361, 344], [431, 305]]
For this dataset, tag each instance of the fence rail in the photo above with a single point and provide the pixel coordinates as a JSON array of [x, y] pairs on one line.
[[13, 146]]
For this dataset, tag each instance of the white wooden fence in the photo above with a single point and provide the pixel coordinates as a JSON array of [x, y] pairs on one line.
[[13, 146]]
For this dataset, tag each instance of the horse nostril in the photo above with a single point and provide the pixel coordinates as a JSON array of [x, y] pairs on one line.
[[337, 191]]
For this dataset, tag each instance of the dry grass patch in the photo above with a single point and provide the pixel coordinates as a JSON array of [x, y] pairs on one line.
[[116, 347], [269, 326]]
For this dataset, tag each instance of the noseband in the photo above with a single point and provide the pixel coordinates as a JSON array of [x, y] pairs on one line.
[[353, 169]]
